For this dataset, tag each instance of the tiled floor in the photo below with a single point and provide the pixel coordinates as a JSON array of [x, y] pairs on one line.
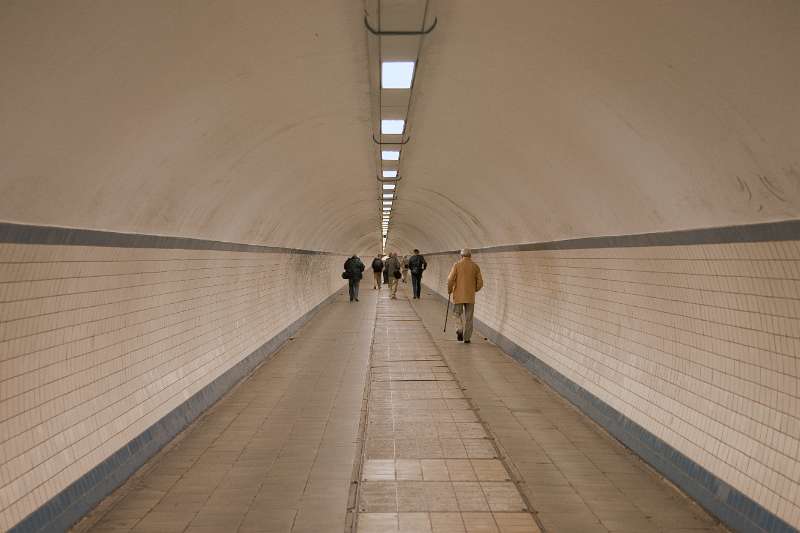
[[428, 464], [275, 455], [458, 438]]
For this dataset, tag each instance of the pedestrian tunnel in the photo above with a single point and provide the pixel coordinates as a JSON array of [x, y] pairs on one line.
[[181, 183]]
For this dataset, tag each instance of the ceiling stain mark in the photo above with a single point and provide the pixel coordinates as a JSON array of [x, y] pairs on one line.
[[744, 187], [772, 188]]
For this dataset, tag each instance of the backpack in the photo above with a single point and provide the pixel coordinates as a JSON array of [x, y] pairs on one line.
[[377, 265]]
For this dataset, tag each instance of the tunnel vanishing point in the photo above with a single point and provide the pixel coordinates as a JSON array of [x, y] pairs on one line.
[[181, 183]]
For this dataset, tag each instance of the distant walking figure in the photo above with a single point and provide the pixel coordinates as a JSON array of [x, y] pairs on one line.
[[463, 282], [377, 269], [392, 270], [354, 269], [417, 264], [404, 262]]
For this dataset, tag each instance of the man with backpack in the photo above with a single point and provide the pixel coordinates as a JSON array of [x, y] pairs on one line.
[[417, 265], [353, 270], [377, 269]]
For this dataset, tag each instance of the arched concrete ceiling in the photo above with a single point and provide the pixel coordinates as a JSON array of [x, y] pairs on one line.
[[544, 120], [242, 121], [249, 121]]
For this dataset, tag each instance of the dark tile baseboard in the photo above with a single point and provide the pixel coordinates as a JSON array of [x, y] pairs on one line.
[[784, 230], [60, 236]]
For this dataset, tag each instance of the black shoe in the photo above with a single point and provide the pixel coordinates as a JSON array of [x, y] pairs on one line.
[[459, 336], [466, 342]]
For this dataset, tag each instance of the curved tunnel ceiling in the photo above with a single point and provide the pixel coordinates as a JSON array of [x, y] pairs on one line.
[[250, 121], [241, 121], [539, 121]]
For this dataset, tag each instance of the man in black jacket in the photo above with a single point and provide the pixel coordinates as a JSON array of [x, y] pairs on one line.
[[354, 269], [417, 265], [377, 268]]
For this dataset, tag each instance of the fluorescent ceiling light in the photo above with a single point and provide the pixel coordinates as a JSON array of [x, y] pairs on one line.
[[392, 127], [390, 195], [387, 208], [390, 155], [387, 202], [389, 174], [389, 186], [397, 74]]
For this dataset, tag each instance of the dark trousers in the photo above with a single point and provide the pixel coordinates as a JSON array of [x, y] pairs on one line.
[[353, 285], [416, 284]]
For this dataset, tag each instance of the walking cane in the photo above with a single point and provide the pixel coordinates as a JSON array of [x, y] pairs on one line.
[[447, 313]]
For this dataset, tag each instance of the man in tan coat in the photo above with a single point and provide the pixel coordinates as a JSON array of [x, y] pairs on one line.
[[392, 266], [463, 282]]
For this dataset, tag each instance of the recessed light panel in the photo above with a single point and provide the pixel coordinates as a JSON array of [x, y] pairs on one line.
[[389, 186], [397, 74], [392, 127], [387, 196], [390, 155], [390, 174]]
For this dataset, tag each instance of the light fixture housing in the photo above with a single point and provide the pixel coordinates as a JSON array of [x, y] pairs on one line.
[[392, 126], [390, 155], [389, 173], [397, 74]]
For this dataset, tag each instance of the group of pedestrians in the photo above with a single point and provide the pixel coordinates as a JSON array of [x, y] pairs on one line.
[[393, 269], [463, 282]]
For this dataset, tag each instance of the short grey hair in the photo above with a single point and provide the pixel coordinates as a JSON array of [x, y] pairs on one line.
[[466, 252]]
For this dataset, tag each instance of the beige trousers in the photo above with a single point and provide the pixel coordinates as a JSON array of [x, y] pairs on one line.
[[464, 313], [393, 286], [378, 280]]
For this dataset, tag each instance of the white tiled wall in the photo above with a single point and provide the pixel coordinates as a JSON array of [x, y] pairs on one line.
[[97, 344], [698, 344]]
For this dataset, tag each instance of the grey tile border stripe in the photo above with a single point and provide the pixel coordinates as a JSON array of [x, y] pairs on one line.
[[53, 235], [72, 503], [786, 230], [732, 507]]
